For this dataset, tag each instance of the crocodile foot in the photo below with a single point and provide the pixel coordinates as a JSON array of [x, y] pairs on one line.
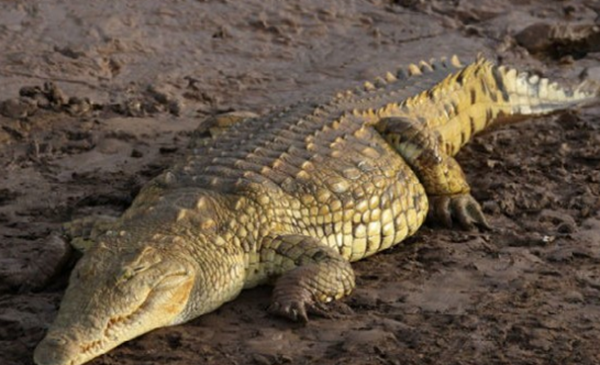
[[82, 232], [296, 304], [462, 208]]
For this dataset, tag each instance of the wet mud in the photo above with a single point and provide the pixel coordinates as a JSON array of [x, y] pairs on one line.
[[97, 98]]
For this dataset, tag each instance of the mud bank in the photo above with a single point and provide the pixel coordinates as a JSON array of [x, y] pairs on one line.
[[98, 98]]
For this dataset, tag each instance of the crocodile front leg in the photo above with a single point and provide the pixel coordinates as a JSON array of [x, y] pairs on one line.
[[444, 181], [308, 273], [82, 232]]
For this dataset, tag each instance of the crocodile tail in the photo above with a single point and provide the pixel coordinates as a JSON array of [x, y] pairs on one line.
[[529, 94], [470, 100]]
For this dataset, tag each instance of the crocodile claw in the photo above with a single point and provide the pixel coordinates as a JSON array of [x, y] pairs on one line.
[[460, 208], [296, 306]]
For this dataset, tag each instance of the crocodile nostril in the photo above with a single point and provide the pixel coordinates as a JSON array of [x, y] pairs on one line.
[[61, 341]]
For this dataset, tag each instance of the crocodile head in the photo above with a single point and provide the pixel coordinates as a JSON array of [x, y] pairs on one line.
[[114, 296]]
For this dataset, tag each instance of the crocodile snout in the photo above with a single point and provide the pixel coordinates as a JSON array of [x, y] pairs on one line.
[[54, 350]]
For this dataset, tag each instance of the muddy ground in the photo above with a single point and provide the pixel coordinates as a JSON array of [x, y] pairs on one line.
[[110, 92]]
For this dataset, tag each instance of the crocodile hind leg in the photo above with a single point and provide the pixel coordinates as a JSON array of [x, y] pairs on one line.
[[308, 273], [82, 232], [444, 181]]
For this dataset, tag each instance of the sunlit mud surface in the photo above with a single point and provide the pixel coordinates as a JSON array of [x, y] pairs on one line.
[[99, 97]]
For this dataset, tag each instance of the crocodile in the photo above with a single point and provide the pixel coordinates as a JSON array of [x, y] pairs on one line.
[[290, 199]]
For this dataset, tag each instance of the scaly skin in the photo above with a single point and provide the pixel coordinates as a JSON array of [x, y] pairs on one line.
[[290, 198]]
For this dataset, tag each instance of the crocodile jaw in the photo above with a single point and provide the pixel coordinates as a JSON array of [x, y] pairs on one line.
[[108, 302]]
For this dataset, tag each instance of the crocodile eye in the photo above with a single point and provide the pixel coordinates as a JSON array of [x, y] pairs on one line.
[[130, 272], [125, 275], [140, 268]]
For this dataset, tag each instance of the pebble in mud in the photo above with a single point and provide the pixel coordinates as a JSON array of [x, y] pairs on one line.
[[78, 106], [36, 271], [55, 254], [154, 99], [18, 108], [535, 38], [574, 297], [49, 97], [560, 41]]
